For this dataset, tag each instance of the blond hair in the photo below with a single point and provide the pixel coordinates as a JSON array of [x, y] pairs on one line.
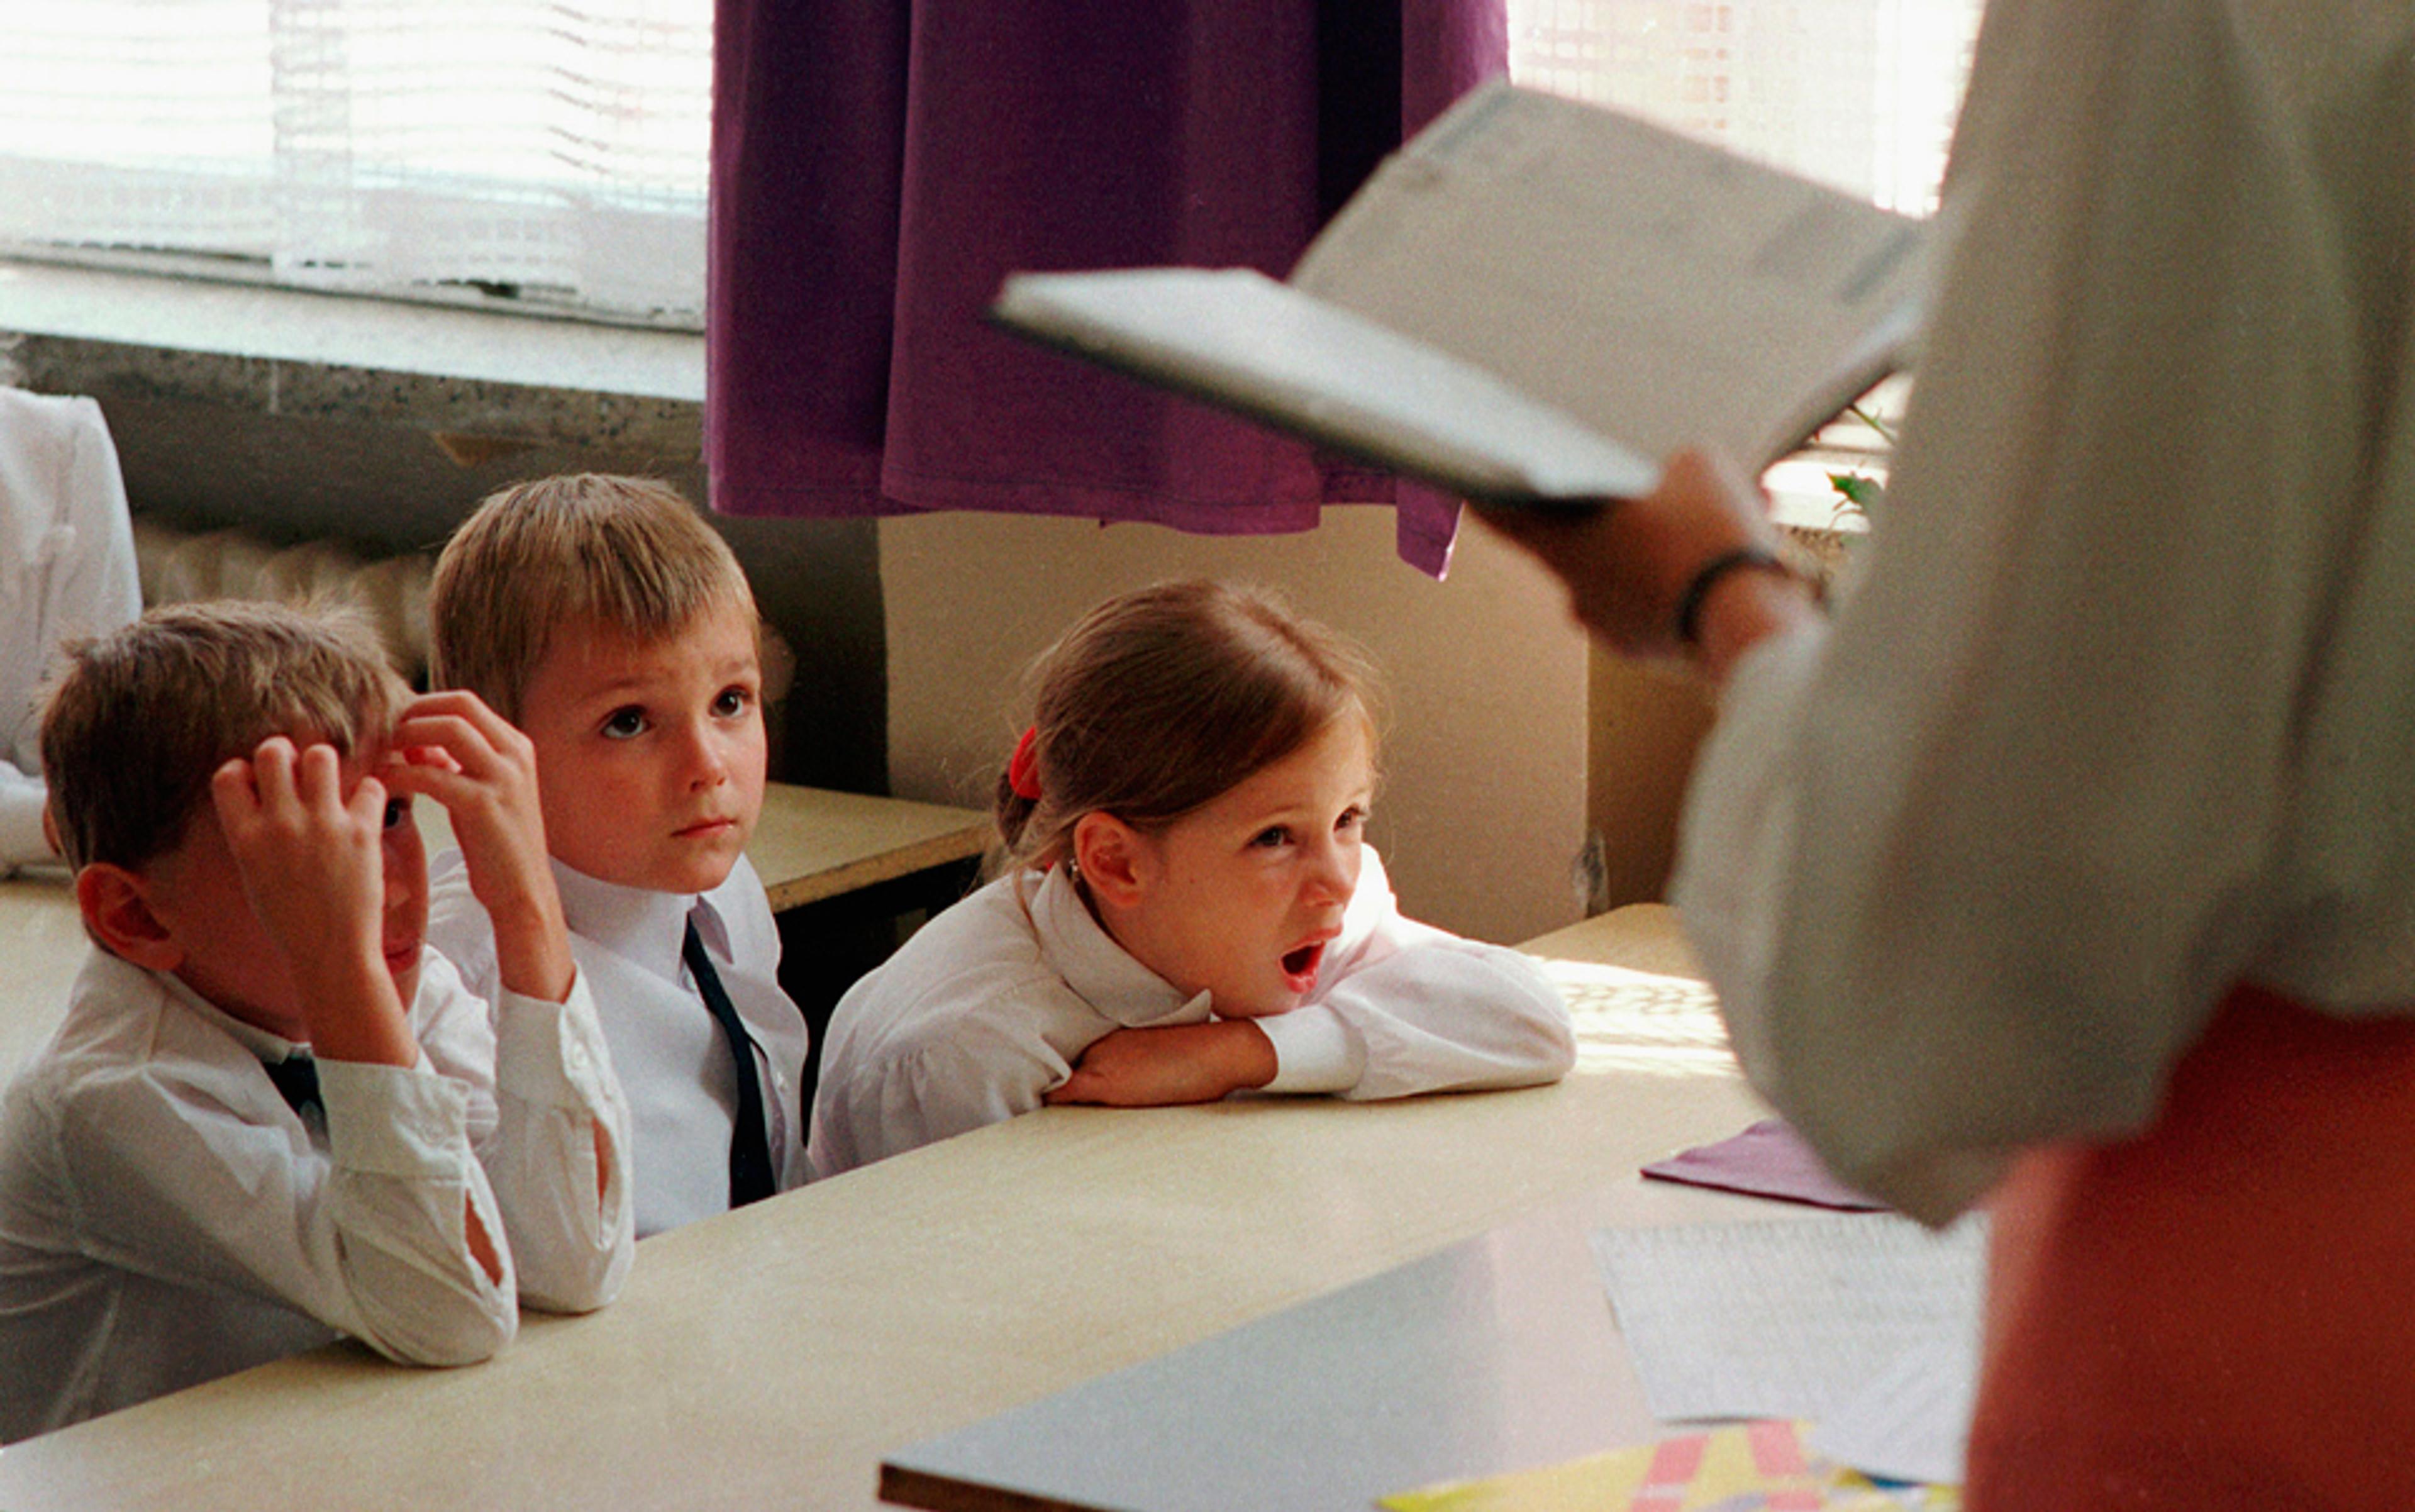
[[140, 718], [626, 555], [1158, 701]]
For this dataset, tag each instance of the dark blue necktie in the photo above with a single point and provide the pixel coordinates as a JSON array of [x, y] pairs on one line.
[[750, 1152], [297, 1081]]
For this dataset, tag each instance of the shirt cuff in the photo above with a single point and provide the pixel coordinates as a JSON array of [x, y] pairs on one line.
[[1314, 1051], [395, 1120], [550, 1054]]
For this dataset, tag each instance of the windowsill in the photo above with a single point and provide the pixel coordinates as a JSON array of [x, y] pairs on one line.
[[467, 376]]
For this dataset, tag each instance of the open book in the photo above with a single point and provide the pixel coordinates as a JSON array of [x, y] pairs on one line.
[[1534, 300]]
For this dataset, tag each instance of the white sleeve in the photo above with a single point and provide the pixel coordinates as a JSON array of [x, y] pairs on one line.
[[83, 585], [94, 586], [561, 1123], [370, 1239], [21, 797], [1415, 1009], [1970, 869], [939, 1076]]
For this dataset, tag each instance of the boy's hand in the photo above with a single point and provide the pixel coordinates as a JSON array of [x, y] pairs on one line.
[[313, 869], [1181, 1063], [453, 748]]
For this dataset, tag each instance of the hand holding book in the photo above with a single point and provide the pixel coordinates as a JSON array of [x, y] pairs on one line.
[[1665, 558]]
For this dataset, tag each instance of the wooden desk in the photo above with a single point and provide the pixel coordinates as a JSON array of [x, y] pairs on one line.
[[812, 843], [774, 1355], [1498, 1354]]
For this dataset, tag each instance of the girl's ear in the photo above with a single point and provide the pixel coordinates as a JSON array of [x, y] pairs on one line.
[[116, 907], [1114, 859]]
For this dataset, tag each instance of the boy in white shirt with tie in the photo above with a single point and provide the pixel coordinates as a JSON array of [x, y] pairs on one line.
[[270, 1116], [608, 621]]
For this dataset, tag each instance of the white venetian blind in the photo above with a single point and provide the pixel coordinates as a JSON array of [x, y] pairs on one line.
[[1860, 94], [547, 154]]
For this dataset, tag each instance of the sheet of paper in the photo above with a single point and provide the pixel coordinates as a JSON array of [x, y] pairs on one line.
[[1785, 1319], [1664, 291], [1912, 1421], [1768, 1160], [1753, 1465]]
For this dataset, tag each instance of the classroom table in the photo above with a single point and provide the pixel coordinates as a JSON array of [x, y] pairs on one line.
[[774, 1355], [812, 843], [820, 853]]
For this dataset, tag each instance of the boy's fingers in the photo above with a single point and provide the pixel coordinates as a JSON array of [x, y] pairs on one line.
[[422, 756], [367, 803], [272, 771], [478, 746], [319, 779], [459, 703], [231, 790]]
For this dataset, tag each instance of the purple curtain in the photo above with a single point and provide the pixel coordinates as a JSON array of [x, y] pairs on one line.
[[879, 165]]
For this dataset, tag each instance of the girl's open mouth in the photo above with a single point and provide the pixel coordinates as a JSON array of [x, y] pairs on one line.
[[1300, 966]]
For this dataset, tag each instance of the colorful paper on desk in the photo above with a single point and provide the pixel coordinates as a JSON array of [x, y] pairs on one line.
[[1768, 1160], [1801, 1319], [1746, 1468]]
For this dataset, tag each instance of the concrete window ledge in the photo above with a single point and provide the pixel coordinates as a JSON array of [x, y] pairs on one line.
[[474, 379]]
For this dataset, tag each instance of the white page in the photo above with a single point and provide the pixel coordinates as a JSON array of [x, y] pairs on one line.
[[1662, 290], [1914, 1421], [1786, 1319]]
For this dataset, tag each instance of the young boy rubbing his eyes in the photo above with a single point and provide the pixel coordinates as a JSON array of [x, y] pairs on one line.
[[1190, 908], [606, 619], [270, 1116]]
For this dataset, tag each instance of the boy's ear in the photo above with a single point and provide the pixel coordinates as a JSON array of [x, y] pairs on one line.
[[117, 909], [1114, 859]]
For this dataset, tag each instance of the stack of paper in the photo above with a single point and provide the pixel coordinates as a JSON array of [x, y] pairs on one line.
[[1867, 1326]]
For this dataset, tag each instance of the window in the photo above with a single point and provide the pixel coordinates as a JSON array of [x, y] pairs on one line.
[[546, 154], [1861, 93]]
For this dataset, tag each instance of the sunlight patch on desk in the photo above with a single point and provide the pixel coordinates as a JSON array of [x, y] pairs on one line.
[[1637, 1021]]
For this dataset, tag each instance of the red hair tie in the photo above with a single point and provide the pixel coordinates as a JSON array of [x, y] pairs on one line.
[[1022, 772]]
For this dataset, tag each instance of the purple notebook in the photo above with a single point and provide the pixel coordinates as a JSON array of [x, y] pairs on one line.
[[1769, 1159]]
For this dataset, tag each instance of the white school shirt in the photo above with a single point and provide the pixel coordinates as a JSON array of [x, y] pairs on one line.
[[166, 1217], [674, 1062], [2120, 708], [67, 571], [988, 1005]]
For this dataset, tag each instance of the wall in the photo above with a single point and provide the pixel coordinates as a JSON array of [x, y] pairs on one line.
[[1648, 721], [1483, 806], [382, 488]]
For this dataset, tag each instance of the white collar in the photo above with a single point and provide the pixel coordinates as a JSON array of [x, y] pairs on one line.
[[646, 927], [268, 1048], [1101, 972]]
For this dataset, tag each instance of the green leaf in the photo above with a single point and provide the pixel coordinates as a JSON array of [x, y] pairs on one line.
[[1859, 491]]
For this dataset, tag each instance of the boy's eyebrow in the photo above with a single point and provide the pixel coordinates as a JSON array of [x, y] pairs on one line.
[[617, 685]]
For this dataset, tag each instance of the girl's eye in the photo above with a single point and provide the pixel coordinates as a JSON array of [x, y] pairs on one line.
[[1271, 837], [731, 702], [1352, 818], [397, 810], [625, 723]]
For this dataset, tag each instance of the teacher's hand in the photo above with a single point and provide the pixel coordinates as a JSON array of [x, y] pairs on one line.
[[1627, 565]]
